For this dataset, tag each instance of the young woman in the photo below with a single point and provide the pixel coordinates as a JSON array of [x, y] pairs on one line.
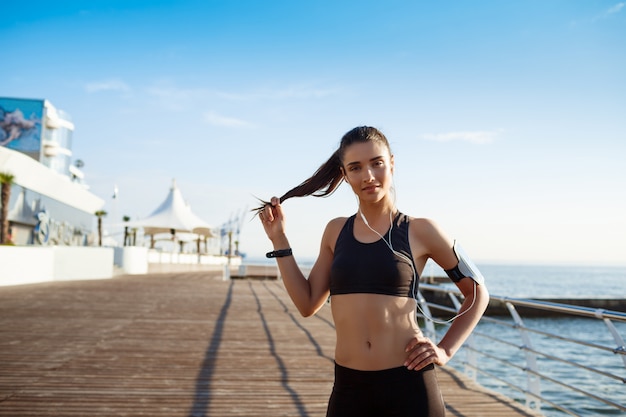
[[370, 264]]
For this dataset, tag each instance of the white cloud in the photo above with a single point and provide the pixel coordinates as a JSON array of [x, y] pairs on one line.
[[610, 11], [301, 92], [176, 94], [224, 121], [177, 99], [107, 85], [296, 92], [477, 137], [164, 91], [616, 8]]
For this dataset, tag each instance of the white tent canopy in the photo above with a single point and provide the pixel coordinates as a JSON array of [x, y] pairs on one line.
[[173, 214]]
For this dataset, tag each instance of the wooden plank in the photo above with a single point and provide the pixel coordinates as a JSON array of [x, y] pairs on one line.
[[179, 344]]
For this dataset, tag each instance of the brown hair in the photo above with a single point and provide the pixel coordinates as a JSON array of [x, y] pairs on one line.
[[329, 175]]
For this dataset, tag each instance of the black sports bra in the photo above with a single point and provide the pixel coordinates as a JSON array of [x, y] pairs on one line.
[[372, 267]]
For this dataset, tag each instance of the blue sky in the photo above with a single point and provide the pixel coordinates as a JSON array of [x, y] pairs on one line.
[[507, 119]]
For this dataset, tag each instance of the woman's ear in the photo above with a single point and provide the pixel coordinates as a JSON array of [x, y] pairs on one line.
[[345, 177], [391, 160]]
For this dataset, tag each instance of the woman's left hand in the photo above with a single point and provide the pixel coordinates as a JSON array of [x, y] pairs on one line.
[[421, 352]]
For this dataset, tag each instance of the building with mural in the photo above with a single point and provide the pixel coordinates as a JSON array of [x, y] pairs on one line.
[[50, 204], [52, 214]]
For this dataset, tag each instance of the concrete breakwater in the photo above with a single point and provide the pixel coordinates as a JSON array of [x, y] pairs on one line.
[[498, 308]]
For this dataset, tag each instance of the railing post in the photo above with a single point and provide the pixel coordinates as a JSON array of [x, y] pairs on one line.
[[619, 341], [532, 380]]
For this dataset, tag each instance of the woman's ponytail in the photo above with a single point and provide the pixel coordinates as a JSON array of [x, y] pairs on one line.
[[321, 184], [328, 176]]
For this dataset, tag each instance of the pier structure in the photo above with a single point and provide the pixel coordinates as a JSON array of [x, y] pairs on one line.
[[179, 344]]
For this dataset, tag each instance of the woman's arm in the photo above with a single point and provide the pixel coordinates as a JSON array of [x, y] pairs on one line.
[[422, 351], [308, 295], [472, 309]]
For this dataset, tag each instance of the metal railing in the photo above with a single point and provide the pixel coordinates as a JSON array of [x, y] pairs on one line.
[[524, 359]]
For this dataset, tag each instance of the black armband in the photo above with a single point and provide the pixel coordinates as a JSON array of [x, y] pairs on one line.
[[455, 273], [279, 253], [465, 268]]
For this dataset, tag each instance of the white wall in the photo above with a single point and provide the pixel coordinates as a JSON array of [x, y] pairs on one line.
[[81, 262], [32, 264], [132, 259], [162, 257]]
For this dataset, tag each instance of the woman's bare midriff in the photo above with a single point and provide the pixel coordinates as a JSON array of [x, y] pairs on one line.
[[372, 330]]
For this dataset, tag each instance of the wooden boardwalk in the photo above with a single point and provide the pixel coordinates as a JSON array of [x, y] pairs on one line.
[[186, 344]]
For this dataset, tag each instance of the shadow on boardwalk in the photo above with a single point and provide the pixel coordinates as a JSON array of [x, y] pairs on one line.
[[202, 398], [184, 344]]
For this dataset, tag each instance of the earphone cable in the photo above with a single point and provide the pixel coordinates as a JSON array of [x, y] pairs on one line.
[[410, 262]]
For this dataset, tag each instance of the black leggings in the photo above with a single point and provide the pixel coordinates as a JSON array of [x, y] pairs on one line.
[[396, 392]]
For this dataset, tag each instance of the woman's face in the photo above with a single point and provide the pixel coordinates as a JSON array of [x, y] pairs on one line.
[[368, 168]]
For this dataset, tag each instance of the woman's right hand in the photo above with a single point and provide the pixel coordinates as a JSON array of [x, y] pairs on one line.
[[273, 220]]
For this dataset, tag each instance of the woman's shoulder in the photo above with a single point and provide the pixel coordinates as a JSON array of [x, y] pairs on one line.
[[332, 231], [337, 223], [424, 226], [421, 221], [335, 226]]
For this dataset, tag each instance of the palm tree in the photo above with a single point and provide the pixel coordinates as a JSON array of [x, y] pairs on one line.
[[6, 180], [126, 235], [100, 214]]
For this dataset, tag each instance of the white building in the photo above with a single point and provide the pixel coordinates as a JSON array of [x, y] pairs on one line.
[[50, 203]]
